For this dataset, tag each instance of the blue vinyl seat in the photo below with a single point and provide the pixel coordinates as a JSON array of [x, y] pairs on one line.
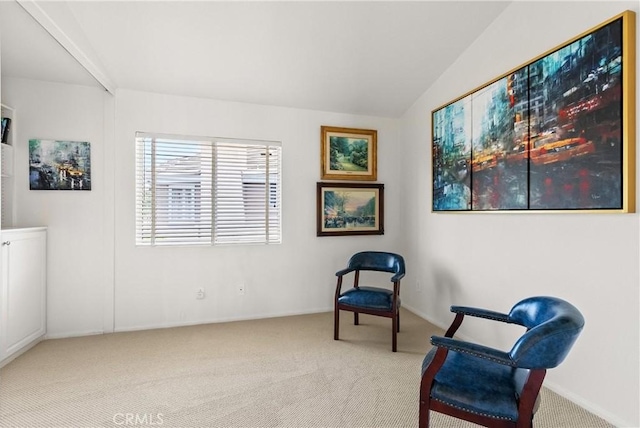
[[367, 299], [490, 387]]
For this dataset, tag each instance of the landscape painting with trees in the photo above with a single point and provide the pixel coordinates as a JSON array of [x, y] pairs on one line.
[[348, 153]]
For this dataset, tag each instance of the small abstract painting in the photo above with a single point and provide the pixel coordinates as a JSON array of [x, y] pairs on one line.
[[59, 165]]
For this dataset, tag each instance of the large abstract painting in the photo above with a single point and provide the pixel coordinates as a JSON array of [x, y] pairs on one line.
[[59, 165], [555, 134]]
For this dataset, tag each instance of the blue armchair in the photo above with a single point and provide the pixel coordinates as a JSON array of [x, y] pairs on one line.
[[370, 300], [490, 387]]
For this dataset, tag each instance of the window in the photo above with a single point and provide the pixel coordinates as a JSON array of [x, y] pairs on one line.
[[206, 191]]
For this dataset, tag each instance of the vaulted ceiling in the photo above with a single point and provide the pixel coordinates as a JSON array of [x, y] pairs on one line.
[[373, 58]]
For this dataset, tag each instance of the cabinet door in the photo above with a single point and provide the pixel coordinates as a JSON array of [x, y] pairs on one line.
[[23, 289]]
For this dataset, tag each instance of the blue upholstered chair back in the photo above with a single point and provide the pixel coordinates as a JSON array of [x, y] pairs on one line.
[[553, 325], [377, 261]]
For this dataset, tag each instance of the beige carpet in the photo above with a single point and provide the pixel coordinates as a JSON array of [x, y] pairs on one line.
[[280, 372]]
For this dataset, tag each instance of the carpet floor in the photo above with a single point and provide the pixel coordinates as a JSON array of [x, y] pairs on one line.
[[278, 372]]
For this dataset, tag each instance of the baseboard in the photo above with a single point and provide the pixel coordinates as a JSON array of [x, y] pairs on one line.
[[73, 334], [187, 323], [21, 351], [222, 320], [434, 322], [587, 405], [580, 401]]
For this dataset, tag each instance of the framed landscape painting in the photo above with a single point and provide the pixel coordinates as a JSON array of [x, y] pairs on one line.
[[348, 153], [350, 209], [557, 134]]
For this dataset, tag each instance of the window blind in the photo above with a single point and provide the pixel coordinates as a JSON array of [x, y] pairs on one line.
[[207, 191]]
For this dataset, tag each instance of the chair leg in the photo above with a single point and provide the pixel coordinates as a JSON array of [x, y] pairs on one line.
[[336, 324], [524, 423], [356, 318], [398, 324], [423, 418], [425, 404], [394, 334]]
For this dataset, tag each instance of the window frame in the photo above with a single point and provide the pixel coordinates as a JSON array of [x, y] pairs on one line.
[[261, 226]]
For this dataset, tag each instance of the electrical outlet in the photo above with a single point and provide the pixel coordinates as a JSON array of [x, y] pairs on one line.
[[241, 289], [200, 293]]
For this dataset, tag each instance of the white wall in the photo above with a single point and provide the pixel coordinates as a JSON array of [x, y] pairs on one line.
[[157, 286], [99, 280], [75, 220], [494, 260]]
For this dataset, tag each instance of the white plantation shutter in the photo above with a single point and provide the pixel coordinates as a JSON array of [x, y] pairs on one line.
[[206, 191]]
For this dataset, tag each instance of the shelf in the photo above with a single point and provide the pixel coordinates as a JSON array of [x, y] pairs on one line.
[[7, 198], [6, 158], [8, 112]]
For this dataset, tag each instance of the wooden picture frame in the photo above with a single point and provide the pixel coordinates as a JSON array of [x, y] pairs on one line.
[[348, 153], [350, 209], [556, 134]]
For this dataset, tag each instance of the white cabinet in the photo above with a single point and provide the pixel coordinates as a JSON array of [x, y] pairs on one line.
[[23, 293]]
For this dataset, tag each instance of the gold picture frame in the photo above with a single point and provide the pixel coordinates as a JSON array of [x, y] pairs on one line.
[[348, 153]]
